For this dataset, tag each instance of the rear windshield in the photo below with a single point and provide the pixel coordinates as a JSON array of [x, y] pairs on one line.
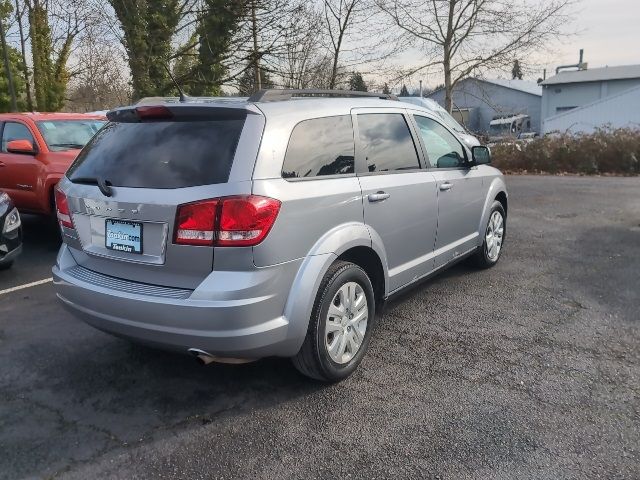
[[160, 154]]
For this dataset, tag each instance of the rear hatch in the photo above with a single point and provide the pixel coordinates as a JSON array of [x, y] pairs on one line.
[[125, 188]]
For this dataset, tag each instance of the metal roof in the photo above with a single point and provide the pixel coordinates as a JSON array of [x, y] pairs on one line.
[[594, 75], [522, 85]]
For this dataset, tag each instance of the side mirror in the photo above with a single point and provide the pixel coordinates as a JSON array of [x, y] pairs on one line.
[[481, 155], [20, 146]]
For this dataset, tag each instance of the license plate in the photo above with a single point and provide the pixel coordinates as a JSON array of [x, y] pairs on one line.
[[123, 236]]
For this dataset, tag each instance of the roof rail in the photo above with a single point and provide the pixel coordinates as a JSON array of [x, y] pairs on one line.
[[278, 95]]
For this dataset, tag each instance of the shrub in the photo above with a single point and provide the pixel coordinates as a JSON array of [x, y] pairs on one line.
[[606, 151]]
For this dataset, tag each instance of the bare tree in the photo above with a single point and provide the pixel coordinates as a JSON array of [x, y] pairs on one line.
[[471, 36], [98, 71], [304, 63], [340, 16]]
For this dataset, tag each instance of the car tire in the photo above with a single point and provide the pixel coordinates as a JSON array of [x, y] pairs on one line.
[[495, 233], [6, 266], [345, 288]]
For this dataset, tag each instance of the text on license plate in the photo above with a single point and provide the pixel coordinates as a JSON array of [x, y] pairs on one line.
[[123, 236]]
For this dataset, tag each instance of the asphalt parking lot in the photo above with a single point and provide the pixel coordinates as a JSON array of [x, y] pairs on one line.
[[528, 370]]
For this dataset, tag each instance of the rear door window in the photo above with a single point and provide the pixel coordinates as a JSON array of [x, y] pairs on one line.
[[319, 147], [160, 154], [386, 142]]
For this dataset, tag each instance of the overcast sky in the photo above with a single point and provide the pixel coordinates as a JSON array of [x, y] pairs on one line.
[[608, 30]]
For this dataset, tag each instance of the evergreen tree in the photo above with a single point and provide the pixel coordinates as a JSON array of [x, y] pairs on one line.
[[15, 61], [357, 83], [15, 65], [385, 89], [516, 71], [215, 32], [247, 81], [50, 75], [404, 92], [148, 28]]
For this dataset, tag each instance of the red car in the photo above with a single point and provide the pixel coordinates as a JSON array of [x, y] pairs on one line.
[[37, 149]]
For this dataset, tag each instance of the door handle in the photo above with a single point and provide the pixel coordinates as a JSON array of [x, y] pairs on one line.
[[378, 197], [446, 186]]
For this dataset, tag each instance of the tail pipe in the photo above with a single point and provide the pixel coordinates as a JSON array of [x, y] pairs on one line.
[[205, 358]]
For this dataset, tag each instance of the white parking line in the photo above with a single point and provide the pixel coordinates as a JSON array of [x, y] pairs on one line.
[[26, 285]]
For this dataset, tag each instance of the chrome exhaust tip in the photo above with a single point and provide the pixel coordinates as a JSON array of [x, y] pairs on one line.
[[205, 358]]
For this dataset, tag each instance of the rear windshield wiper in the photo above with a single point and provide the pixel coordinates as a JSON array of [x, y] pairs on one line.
[[103, 185], [70, 145]]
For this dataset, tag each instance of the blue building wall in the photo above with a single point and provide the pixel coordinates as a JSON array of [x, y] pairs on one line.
[[486, 100], [558, 98]]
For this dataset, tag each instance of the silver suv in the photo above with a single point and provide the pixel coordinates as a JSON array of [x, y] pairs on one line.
[[273, 226]]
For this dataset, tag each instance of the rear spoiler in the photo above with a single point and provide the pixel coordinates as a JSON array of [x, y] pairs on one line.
[[181, 112]]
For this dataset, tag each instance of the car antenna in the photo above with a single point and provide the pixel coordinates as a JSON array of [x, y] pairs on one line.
[[183, 97]]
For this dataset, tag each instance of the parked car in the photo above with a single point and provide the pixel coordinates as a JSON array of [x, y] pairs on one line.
[[37, 148], [509, 127], [10, 232], [446, 118], [272, 226]]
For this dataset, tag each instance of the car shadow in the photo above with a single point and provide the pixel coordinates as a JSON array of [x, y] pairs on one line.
[[460, 270]]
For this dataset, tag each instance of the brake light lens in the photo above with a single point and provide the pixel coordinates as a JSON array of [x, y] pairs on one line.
[[153, 112], [62, 209], [237, 221], [195, 223], [245, 220]]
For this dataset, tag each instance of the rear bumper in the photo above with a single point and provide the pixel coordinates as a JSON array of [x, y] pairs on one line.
[[247, 321]]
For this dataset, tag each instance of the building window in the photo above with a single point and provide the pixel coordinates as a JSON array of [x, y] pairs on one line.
[[564, 109]]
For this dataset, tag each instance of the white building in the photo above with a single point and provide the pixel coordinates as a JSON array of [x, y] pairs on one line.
[[583, 100]]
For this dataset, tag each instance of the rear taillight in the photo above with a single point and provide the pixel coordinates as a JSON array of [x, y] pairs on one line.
[[62, 209], [238, 221], [195, 223], [245, 220]]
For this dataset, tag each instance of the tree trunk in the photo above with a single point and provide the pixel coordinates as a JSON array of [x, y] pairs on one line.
[[25, 69], [448, 87], [334, 70], [256, 56], [446, 61]]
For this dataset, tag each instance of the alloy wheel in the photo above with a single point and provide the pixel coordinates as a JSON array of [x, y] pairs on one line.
[[494, 235], [346, 323]]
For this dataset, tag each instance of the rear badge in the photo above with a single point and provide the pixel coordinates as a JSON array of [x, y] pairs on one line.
[[123, 236]]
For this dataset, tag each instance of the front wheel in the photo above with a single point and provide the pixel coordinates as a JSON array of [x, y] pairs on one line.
[[489, 253], [340, 324]]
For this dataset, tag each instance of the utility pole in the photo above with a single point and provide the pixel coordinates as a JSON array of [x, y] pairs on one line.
[[256, 57], [420, 88], [7, 68]]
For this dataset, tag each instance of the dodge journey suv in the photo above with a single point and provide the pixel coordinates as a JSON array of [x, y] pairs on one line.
[[272, 226]]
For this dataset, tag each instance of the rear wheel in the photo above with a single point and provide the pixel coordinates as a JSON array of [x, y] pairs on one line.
[[6, 266], [340, 325], [494, 236]]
